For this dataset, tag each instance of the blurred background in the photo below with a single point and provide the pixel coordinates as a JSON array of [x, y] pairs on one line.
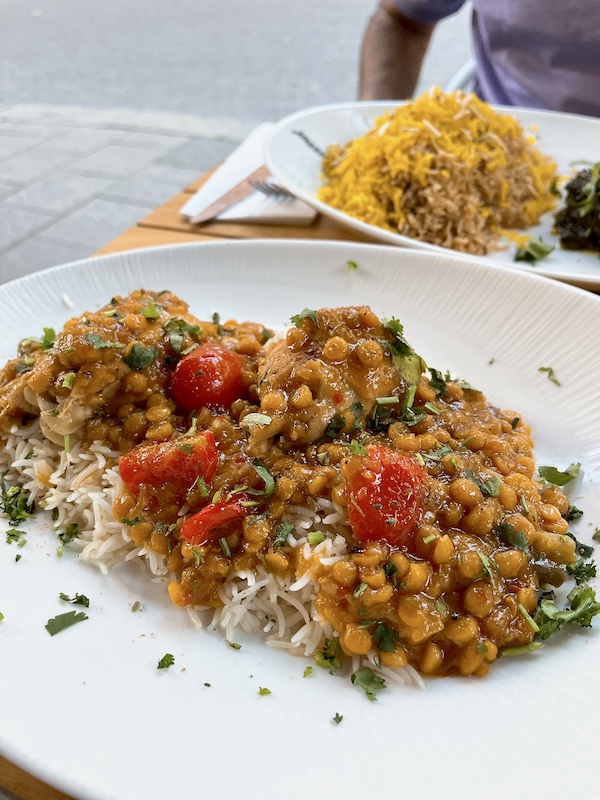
[[108, 109], [252, 60]]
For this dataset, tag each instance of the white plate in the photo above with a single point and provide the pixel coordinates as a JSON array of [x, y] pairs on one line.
[[564, 137], [88, 711]]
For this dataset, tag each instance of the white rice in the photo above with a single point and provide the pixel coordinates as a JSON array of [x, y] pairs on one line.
[[80, 487]]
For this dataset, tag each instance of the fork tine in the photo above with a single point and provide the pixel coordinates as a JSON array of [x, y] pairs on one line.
[[270, 188]]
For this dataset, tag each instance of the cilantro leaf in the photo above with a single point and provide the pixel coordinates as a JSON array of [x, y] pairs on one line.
[[385, 638], [534, 251], [368, 681], [63, 621], [282, 532], [558, 477], [77, 600], [551, 376], [337, 718], [306, 313], [15, 503], [583, 607], [263, 473], [139, 356], [514, 537], [166, 661], [262, 690], [330, 656], [407, 362], [99, 343]]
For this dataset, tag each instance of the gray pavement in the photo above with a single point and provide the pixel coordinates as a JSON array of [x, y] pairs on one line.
[[72, 179], [107, 110]]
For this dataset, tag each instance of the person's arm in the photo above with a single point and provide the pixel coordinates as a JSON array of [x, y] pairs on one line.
[[392, 54]]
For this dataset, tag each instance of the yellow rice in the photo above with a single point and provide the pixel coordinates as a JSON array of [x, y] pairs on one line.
[[446, 169]]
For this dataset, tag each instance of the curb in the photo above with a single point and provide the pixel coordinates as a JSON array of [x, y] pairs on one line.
[[222, 129]]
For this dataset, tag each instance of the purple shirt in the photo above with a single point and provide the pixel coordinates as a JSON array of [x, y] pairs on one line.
[[530, 53]]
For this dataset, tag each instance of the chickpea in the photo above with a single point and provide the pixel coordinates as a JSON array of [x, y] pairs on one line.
[[345, 572], [277, 562], [372, 555], [356, 640], [177, 594], [369, 353], [302, 397], [158, 413], [462, 630], [478, 599], [466, 492], [510, 562], [285, 487], [273, 401], [396, 659], [136, 383], [160, 431], [417, 577], [480, 520], [335, 349], [431, 659]]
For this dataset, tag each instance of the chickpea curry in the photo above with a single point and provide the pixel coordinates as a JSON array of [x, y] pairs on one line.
[[221, 431]]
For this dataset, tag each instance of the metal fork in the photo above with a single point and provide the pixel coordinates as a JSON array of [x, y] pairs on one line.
[[271, 188]]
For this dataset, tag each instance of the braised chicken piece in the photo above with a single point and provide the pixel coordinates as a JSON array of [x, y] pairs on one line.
[[327, 374]]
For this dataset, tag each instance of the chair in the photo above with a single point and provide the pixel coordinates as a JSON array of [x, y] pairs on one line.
[[462, 79]]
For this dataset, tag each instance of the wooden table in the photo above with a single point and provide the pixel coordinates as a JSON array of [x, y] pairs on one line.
[[163, 226]]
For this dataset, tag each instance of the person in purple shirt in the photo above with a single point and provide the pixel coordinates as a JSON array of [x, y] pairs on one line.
[[530, 53]]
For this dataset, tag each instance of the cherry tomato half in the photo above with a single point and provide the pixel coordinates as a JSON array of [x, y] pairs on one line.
[[385, 493], [211, 375], [175, 462], [213, 522]]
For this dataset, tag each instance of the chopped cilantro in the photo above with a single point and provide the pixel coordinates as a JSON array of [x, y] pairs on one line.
[[514, 537], [352, 265], [368, 681], [385, 638], [336, 424], [15, 503], [534, 251], [360, 589], [337, 718], [308, 671], [186, 448], [225, 547], [583, 606], [551, 376], [234, 645], [330, 656], [262, 690], [49, 338], [263, 473], [558, 478], [137, 606], [407, 362], [152, 310], [306, 313], [139, 356], [131, 521], [437, 382], [489, 566], [63, 621], [66, 537], [357, 449], [572, 513], [315, 537], [77, 600], [437, 455], [176, 328], [166, 661], [99, 343], [282, 532], [18, 537]]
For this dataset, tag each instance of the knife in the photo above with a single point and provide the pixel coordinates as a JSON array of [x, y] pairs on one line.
[[233, 196]]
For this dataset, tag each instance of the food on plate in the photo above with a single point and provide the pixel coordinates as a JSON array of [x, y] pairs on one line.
[[322, 488], [578, 220], [446, 169]]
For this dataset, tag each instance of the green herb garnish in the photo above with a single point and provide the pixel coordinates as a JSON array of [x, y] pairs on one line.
[[551, 376], [166, 661], [76, 600], [63, 621], [534, 251], [330, 656], [140, 357], [306, 313], [558, 477], [368, 681]]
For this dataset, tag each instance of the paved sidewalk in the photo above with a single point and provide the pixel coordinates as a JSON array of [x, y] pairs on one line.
[[72, 179]]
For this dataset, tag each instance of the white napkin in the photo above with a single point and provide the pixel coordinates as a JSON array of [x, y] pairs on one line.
[[257, 207]]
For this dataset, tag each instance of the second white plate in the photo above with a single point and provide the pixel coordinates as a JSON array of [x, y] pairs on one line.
[[296, 164]]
